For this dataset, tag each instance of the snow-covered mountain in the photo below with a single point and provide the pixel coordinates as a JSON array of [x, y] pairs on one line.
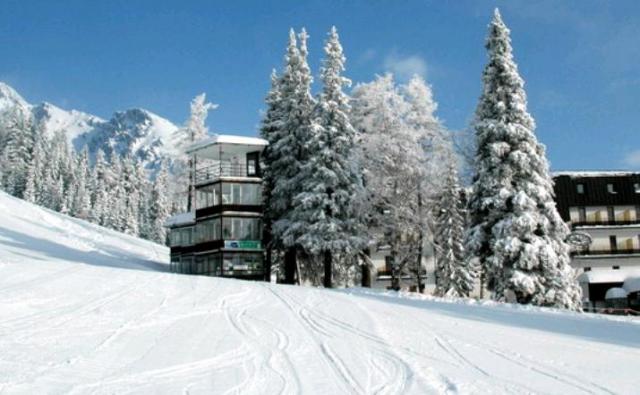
[[84, 309], [136, 132]]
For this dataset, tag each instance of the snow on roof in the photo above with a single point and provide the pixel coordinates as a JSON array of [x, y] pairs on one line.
[[632, 284], [180, 219], [595, 173], [227, 139], [608, 276], [615, 293]]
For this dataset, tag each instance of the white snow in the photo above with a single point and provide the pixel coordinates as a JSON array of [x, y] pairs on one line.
[[227, 139], [74, 320], [180, 219], [73, 123], [615, 293], [595, 173]]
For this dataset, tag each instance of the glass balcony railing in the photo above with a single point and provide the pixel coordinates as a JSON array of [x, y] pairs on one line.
[[214, 172]]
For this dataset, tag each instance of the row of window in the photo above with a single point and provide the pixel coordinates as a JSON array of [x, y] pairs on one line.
[[610, 188], [218, 264], [229, 193], [227, 228], [611, 214]]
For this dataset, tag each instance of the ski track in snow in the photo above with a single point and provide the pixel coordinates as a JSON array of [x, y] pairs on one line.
[[91, 325]]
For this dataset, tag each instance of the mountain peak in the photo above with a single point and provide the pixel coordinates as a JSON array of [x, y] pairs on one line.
[[10, 98]]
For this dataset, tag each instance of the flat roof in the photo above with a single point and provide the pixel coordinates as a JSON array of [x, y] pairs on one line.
[[226, 139], [180, 219], [595, 173]]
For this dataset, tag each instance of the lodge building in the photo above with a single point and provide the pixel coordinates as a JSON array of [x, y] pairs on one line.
[[606, 207], [222, 235]]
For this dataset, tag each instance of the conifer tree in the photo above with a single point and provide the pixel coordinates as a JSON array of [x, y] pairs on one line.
[[82, 196], [297, 127], [18, 146], [270, 130], [454, 273], [323, 219], [99, 192], [159, 207], [517, 234], [35, 184]]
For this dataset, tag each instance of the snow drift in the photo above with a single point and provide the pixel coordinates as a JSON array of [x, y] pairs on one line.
[[74, 320]]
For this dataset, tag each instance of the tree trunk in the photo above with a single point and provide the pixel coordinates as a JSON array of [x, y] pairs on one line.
[[366, 270], [268, 242], [328, 269], [420, 246], [191, 183], [290, 265], [267, 264]]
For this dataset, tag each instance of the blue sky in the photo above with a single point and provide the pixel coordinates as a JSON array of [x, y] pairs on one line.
[[580, 59]]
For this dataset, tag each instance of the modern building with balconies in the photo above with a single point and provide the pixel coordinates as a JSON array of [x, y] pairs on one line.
[[606, 207], [222, 235]]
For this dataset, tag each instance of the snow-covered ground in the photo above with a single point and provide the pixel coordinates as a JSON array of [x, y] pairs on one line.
[[73, 319]]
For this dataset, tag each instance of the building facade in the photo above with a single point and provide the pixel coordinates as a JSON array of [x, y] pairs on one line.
[[222, 235], [606, 207]]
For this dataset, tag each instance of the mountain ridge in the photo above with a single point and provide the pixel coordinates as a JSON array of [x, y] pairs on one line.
[[136, 131]]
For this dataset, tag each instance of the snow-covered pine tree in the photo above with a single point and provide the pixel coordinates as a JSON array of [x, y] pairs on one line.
[[323, 220], [297, 105], [19, 134], [454, 273], [517, 233], [392, 160], [34, 189], [429, 133], [270, 130], [144, 193], [99, 193], [115, 202], [82, 196], [131, 201], [193, 130], [159, 206]]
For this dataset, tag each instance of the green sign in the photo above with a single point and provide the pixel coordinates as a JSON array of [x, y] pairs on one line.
[[243, 244]]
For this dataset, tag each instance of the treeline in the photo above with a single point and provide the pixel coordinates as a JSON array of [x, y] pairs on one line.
[[114, 192], [347, 175]]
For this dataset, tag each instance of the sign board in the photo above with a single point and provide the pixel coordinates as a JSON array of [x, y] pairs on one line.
[[243, 244]]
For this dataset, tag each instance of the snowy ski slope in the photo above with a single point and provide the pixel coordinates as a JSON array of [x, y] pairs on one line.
[[83, 310]]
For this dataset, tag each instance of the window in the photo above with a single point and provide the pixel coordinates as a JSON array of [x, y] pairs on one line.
[[245, 194], [252, 168], [208, 230], [252, 164], [611, 214], [636, 187], [580, 188], [242, 263], [175, 263], [613, 243], [241, 229], [582, 214], [611, 189], [616, 267], [208, 196], [186, 236], [174, 238], [587, 269]]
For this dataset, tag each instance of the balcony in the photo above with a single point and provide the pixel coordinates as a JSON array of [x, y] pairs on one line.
[[619, 251], [605, 223], [214, 172]]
